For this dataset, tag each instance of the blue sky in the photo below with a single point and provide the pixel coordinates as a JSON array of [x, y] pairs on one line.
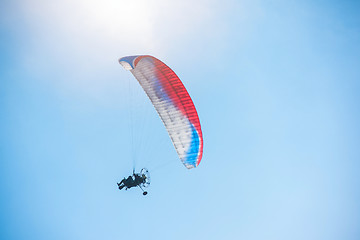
[[276, 85]]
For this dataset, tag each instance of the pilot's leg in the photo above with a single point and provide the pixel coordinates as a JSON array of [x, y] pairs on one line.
[[121, 184]]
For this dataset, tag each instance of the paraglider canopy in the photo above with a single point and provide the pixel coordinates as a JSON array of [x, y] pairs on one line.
[[173, 104]]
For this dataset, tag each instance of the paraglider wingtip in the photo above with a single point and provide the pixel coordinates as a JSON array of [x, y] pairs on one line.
[[125, 65]]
